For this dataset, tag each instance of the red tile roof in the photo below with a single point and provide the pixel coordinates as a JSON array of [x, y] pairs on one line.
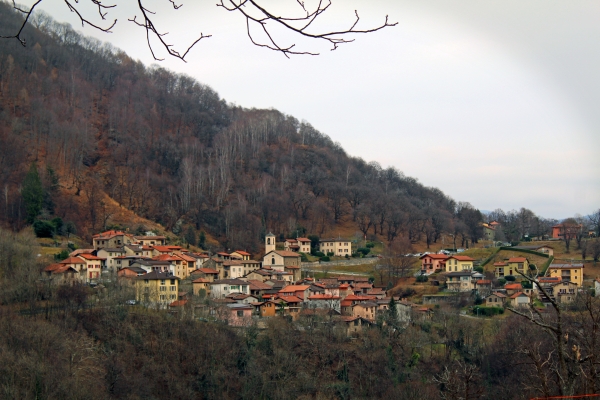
[[201, 280], [294, 288], [242, 252], [514, 296], [513, 286], [73, 260], [462, 258]]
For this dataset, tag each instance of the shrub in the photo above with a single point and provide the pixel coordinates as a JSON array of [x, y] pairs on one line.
[[479, 269], [363, 250], [370, 245], [502, 281], [422, 278], [487, 311], [63, 255], [325, 258], [43, 229], [303, 257], [330, 254], [347, 256], [526, 285], [319, 254], [510, 278]]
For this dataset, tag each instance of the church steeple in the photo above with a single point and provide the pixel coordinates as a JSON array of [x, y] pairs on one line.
[[269, 242]]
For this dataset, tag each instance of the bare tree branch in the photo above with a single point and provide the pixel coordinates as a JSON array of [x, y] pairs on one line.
[[255, 14]]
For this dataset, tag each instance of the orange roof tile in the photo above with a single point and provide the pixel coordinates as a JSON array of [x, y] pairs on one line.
[[73, 260], [513, 286]]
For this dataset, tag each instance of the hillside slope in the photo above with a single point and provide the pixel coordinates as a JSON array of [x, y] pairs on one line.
[[102, 127]]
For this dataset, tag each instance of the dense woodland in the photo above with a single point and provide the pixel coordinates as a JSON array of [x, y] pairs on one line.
[[100, 125]]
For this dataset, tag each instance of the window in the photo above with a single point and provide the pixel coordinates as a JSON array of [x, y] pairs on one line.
[[163, 288], [162, 282], [172, 281], [173, 297], [162, 297], [173, 288], [240, 313], [273, 260]]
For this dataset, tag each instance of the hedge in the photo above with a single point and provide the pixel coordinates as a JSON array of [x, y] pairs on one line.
[[487, 311], [536, 253], [487, 260]]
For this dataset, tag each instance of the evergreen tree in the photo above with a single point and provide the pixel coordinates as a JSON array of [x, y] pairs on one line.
[[202, 240], [190, 236], [33, 194]]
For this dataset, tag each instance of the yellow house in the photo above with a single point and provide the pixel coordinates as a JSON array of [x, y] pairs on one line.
[[567, 272], [459, 263], [156, 288], [513, 266], [339, 247]]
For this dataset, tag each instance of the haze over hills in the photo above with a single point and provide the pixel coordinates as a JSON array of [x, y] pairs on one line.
[[109, 135]]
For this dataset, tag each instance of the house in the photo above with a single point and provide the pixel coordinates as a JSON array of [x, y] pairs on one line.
[[300, 291], [241, 298], [135, 250], [223, 287], [459, 263], [110, 256], [500, 270], [207, 273], [431, 263], [460, 281], [564, 292], [61, 274], [483, 285], [151, 240], [366, 310], [299, 245], [93, 266], [567, 272], [570, 230], [78, 264], [201, 287], [519, 299], [157, 288], [540, 249], [111, 239], [178, 266], [489, 231], [240, 255], [269, 308], [517, 265], [258, 287], [353, 325], [292, 305], [351, 300], [496, 299], [339, 247], [131, 272], [237, 314], [512, 288], [324, 301]]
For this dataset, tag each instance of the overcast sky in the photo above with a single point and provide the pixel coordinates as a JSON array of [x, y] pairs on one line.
[[494, 102]]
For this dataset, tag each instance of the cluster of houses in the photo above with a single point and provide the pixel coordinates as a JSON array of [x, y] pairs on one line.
[[560, 283], [238, 288]]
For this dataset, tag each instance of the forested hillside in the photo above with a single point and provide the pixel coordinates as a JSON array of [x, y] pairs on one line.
[[101, 127]]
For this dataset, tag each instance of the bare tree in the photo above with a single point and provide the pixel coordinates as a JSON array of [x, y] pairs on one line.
[[299, 21]]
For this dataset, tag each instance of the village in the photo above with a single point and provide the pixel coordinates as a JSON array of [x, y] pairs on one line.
[[240, 291]]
